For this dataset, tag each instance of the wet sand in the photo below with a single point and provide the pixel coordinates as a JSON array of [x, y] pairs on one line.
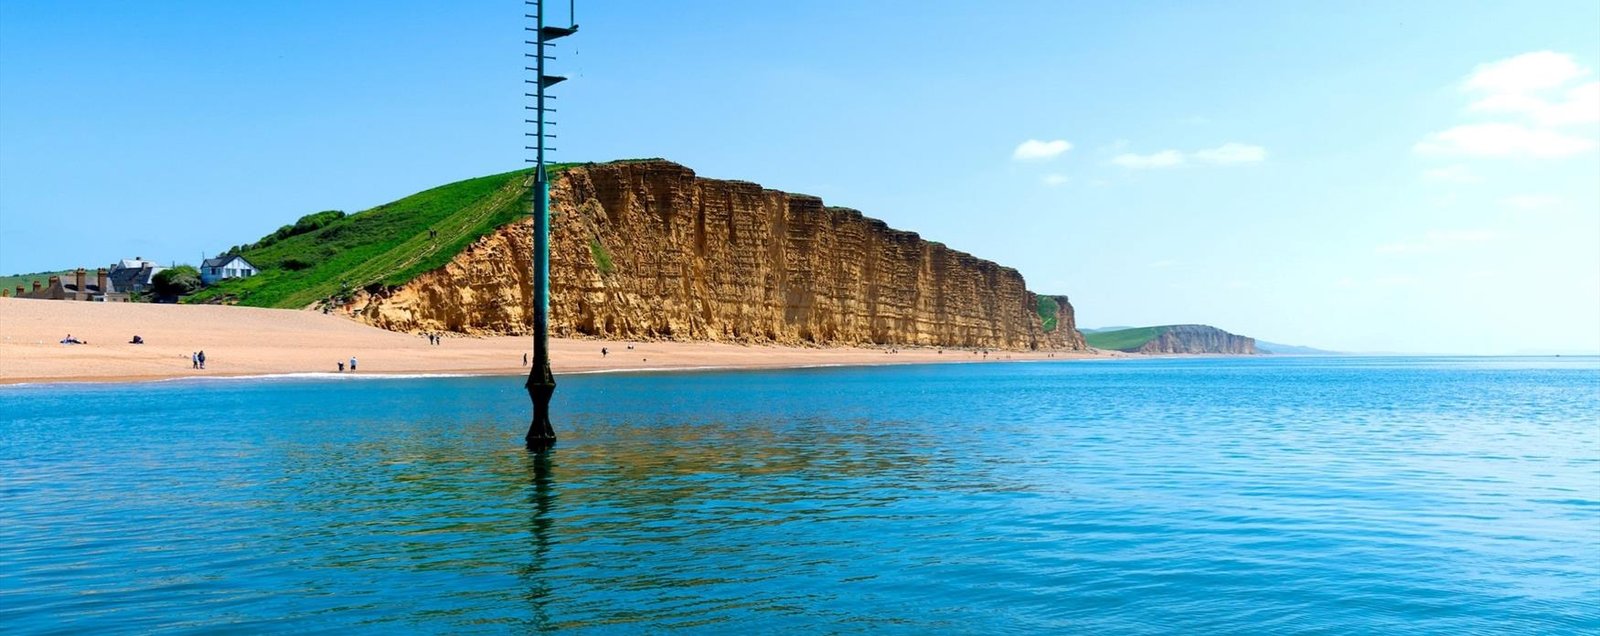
[[247, 341]]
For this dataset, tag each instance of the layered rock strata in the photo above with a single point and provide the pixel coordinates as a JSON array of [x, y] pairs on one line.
[[1199, 339], [647, 250]]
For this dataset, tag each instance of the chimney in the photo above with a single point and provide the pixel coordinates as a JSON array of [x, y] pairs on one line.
[[100, 279], [82, 280]]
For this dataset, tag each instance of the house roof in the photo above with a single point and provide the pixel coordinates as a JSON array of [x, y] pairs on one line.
[[125, 278], [131, 263], [224, 260]]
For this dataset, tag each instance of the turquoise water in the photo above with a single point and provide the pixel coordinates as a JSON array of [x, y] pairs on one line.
[[1207, 496]]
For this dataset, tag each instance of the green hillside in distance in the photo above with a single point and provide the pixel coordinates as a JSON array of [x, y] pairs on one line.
[[327, 253], [26, 280], [1122, 339]]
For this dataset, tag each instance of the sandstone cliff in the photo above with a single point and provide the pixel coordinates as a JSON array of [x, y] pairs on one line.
[[647, 250], [1198, 339]]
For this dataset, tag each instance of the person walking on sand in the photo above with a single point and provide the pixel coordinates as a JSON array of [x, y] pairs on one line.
[[202, 357], [341, 366], [194, 360], [603, 352], [524, 359], [352, 364]]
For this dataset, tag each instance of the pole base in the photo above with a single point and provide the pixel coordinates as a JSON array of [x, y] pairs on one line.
[[541, 385]]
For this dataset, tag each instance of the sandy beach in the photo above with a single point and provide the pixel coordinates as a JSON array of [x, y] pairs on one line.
[[246, 341]]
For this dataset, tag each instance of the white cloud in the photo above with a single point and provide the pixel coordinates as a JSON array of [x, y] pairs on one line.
[[1036, 150], [1395, 281], [1054, 180], [1440, 237], [1401, 248], [1502, 140], [1580, 106], [1231, 153], [1530, 201], [1451, 174], [1523, 88], [1226, 154], [1526, 72], [1435, 240], [1163, 159]]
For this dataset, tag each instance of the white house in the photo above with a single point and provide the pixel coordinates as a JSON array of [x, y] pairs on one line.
[[225, 267]]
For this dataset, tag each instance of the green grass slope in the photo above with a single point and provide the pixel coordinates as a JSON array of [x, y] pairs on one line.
[[1122, 339], [26, 280], [385, 246], [1048, 311]]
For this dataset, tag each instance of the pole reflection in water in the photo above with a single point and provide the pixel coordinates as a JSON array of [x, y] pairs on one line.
[[541, 499]]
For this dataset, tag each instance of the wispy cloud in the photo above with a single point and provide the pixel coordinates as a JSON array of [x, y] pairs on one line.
[[1036, 150], [1451, 174], [1163, 159], [1531, 201], [1526, 72], [1580, 105], [1503, 140], [1231, 153], [1390, 280], [1395, 281], [1436, 240], [1532, 96]]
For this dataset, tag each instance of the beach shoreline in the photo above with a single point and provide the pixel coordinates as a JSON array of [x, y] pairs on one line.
[[247, 342]]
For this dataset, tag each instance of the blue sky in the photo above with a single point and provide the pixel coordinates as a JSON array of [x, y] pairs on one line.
[[1417, 176]]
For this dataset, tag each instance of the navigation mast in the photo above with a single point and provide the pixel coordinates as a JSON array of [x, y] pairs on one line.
[[541, 383]]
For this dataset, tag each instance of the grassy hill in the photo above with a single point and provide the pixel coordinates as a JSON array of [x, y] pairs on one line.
[[327, 253], [26, 280], [1122, 339]]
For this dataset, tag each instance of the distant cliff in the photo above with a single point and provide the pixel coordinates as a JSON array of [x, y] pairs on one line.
[[1173, 339], [648, 250]]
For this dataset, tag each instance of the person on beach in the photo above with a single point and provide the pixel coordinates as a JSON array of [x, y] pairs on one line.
[[352, 363], [341, 366], [202, 358], [194, 360], [603, 352], [524, 359]]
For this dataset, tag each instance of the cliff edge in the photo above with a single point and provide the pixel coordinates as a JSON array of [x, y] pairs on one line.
[[1173, 339], [648, 250]]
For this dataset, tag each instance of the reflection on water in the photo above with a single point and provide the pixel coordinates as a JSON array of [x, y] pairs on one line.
[[1381, 496], [540, 500]]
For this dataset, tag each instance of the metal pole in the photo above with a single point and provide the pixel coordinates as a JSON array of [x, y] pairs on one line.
[[541, 383]]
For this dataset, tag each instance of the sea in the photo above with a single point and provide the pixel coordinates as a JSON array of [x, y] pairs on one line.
[[1293, 495]]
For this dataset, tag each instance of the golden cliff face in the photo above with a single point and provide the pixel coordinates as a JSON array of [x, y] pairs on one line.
[[647, 250]]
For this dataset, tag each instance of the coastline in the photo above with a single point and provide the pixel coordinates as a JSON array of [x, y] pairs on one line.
[[247, 342]]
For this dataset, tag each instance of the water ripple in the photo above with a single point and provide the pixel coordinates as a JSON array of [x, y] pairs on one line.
[[1351, 496]]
